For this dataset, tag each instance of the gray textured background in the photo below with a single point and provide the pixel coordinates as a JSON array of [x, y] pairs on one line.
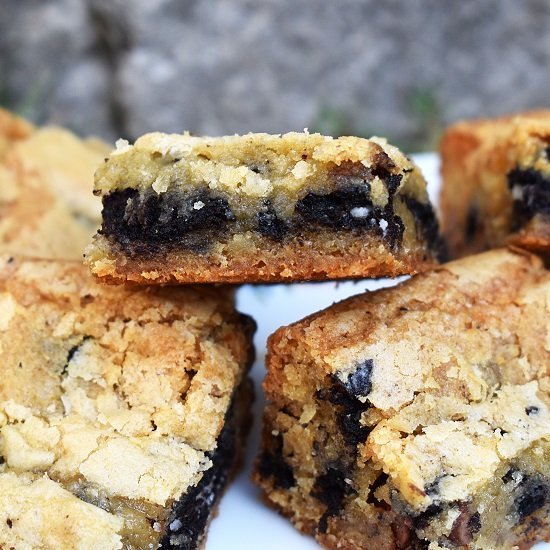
[[400, 68]]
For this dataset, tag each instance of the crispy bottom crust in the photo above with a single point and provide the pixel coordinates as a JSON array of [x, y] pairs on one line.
[[533, 236], [329, 257]]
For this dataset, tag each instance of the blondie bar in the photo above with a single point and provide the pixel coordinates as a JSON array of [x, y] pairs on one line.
[[496, 183], [417, 416], [260, 208], [122, 411]]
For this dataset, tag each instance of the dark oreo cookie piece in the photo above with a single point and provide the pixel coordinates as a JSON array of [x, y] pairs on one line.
[[474, 523], [270, 225], [348, 409], [142, 222], [350, 207], [145, 223], [533, 492], [72, 352], [422, 520], [331, 489], [272, 464], [336, 209], [349, 422], [380, 481], [392, 183], [531, 191], [359, 381], [428, 225], [509, 476]]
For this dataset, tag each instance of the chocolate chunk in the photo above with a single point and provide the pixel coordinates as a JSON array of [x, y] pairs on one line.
[[403, 533], [87, 299], [331, 489], [382, 168], [404, 536], [149, 220], [351, 174], [270, 225], [465, 526], [533, 494], [535, 195], [383, 164], [427, 225], [474, 523], [272, 464]]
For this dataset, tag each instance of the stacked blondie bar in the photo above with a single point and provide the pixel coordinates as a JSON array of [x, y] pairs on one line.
[[411, 417]]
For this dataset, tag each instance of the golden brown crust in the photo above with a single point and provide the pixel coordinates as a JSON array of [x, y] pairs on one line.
[[12, 130], [487, 273], [319, 259], [534, 235]]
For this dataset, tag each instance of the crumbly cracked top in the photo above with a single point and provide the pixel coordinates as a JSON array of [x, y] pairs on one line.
[[460, 355], [47, 208], [35, 503], [67, 165], [110, 400], [250, 167], [519, 136], [34, 221], [461, 445]]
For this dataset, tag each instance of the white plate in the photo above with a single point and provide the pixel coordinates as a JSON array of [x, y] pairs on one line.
[[244, 521]]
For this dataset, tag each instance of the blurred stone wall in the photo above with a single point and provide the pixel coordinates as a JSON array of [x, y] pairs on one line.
[[400, 68]]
